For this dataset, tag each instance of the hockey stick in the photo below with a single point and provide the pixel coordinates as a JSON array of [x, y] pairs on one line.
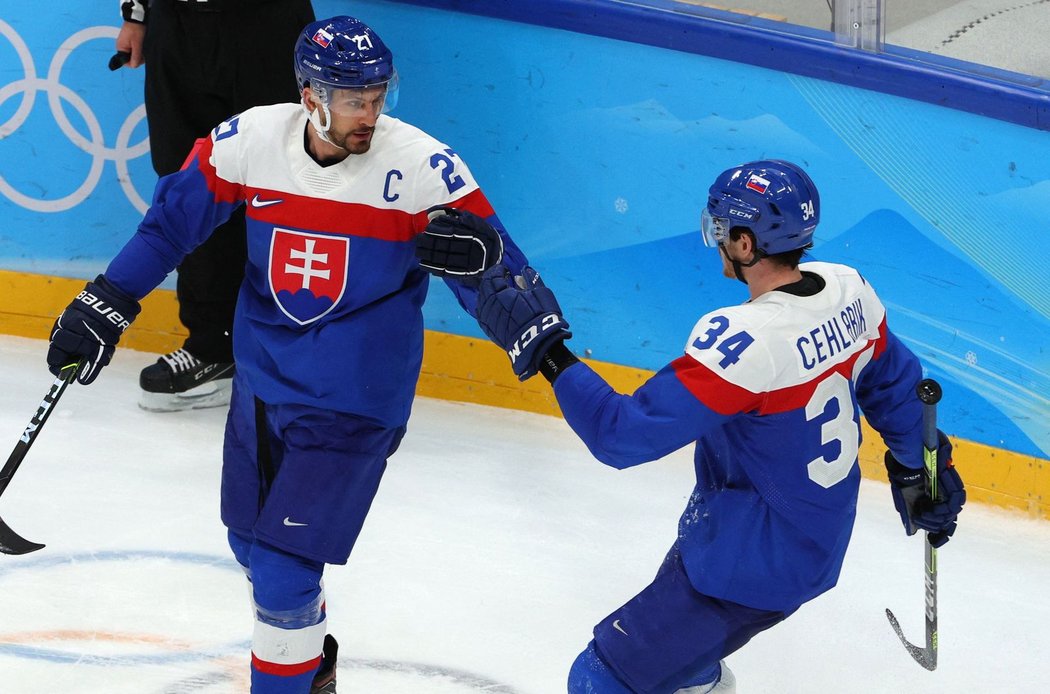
[[10, 541], [929, 392]]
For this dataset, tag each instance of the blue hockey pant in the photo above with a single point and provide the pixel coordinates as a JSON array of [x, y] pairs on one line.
[[666, 638], [297, 484]]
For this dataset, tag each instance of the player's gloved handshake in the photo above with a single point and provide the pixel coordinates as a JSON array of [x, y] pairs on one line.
[[521, 315], [89, 328], [918, 510], [459, 245]]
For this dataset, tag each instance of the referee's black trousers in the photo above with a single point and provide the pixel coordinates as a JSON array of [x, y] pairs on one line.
[[205, 62]]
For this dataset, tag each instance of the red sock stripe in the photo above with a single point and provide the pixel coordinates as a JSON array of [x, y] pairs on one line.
[[291, 670]]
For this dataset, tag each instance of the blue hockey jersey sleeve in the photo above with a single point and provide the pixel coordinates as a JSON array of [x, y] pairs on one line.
[[886, 394], [626, 430], [187, 207]]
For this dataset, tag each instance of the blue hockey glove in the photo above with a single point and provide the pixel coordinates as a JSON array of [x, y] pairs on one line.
[[89, 328], [458, 244], [521, 315], [917, 509]]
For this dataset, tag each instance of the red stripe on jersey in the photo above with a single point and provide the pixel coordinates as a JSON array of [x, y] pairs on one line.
[[880, 342], [347, 218], [476, 202], [727, 398], [711, 389], [221, 189], [292, 670], [796, 397]]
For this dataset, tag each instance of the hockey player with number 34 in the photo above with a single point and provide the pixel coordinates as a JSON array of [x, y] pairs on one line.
[[770, 393], [329, 330]]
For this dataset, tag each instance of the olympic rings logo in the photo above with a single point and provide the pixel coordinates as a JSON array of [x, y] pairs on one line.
[[121, 153]]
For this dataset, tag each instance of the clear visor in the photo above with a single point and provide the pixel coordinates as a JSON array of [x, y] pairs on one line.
[[371, 100], [715, 230]]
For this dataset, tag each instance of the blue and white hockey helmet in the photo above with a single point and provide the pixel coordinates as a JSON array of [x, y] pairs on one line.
[[774, 199], [344, 53]]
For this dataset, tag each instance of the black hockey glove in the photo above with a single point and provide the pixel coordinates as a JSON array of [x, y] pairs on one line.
[[521, 315], [918, 511], [89, 328], [458, 244]]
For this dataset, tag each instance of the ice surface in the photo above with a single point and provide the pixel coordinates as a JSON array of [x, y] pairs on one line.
[[495, 544]]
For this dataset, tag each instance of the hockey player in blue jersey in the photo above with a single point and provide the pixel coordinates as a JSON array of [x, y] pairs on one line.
[[329, 329], [770, 393]]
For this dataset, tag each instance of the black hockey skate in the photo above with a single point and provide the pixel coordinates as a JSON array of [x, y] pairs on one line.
[[180, 381], [324, 680]]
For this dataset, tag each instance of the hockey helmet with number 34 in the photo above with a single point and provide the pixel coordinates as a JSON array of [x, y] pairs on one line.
[[773, 199], [344, 53]]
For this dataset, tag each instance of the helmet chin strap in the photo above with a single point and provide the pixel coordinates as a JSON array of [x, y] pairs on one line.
[[737, 265], [321, 128]]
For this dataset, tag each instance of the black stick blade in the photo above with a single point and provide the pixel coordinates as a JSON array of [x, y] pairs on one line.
[[13, 543], [927, 657]]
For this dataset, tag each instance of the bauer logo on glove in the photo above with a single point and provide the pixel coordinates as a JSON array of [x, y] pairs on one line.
[[104, 309]]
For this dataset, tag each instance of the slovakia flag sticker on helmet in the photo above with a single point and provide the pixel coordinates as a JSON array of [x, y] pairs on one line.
[[322, 38], [757, 184]]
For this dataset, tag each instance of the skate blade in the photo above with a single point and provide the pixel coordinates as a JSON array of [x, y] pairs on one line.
[[211, 394]]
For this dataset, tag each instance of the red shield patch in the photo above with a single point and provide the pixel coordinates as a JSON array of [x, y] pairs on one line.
[[307, 272]]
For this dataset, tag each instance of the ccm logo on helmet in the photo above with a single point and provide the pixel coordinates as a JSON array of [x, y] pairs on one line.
[[103, 309], [548, 322]]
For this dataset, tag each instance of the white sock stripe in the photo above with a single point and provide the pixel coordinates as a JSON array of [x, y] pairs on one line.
[[288, 646]]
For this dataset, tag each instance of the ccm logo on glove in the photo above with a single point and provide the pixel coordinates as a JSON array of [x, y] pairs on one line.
[[103, 309], [549, 321]]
